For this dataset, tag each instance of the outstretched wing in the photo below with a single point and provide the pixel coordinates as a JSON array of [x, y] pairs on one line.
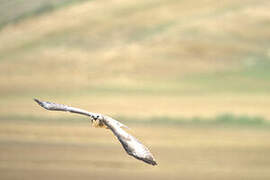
[[61, 107], [131, 145]]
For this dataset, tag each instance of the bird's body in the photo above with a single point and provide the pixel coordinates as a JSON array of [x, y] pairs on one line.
[[131, 145]]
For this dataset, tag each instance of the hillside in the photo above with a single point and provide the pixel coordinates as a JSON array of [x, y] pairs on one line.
[[190, 78], [173, 58]]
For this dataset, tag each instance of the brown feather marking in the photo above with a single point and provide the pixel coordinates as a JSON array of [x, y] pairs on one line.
[[98, 124]]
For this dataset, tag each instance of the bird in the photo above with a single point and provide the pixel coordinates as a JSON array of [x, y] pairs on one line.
[[131, 145]]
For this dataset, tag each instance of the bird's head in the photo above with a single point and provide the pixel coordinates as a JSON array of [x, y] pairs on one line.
[[98, 121], [95, 117]]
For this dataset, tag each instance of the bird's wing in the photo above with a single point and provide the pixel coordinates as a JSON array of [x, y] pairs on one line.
[[116, 123], [61, 107], [131, 145]]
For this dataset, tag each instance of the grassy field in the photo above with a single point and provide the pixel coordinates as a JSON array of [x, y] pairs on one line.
[[191, 79], [68, 151]]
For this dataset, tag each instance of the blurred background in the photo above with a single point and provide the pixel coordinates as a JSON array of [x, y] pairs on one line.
[[191, 79]]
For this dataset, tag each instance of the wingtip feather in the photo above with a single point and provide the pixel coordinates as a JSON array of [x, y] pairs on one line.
[[35, 99], [151, 161], [38, 101], [42, 104]]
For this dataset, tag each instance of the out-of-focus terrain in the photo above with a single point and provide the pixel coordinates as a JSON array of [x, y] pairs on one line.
[[191, 79]]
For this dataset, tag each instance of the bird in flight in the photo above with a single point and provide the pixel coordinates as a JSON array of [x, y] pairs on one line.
[[132, 146]]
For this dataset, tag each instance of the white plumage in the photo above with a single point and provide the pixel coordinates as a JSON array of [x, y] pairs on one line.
[[131, 145]]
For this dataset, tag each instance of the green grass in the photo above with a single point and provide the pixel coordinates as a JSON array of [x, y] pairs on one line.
[[252, 77], [226, 120]]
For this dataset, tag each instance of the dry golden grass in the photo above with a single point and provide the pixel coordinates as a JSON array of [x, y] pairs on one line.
[[137, 59], [66, 151], [131, 44], [146, 106]]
